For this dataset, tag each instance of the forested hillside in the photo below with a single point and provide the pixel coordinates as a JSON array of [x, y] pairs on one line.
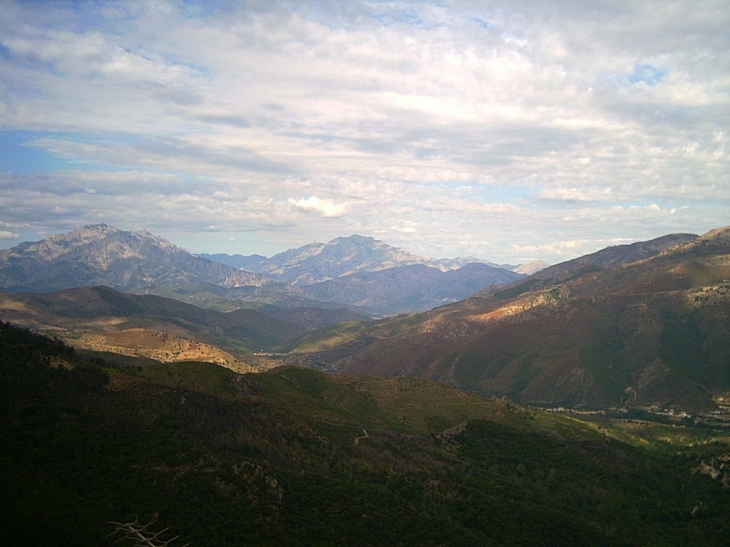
[[297, 457]]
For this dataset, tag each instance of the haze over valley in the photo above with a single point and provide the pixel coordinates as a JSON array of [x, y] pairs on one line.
[[276, 416], [643, 324], [369, 273]]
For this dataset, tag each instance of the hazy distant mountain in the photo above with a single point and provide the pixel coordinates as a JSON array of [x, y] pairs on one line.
[[531, 267], [409, 289], [103, 255], [240, 262], [644, 325], [141, 262], [138, 262], [345, 256]]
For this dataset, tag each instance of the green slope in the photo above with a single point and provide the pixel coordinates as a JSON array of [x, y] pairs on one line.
[[297, 457]]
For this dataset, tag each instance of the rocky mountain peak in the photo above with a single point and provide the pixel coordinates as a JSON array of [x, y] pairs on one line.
[[103, 255], [531, 267], [720, 236], [354, 239], [89, 231]]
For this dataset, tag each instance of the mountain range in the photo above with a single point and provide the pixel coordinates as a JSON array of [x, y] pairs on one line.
[[143, 417], [644, 325], [344, 256], [103, 255], [317, 275], [410, 288]]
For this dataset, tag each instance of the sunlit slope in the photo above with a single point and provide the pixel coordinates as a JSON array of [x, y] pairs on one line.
[[92, 316], [650, 332]]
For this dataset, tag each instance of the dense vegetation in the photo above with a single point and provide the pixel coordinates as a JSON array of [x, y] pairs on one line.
[[296, 457]]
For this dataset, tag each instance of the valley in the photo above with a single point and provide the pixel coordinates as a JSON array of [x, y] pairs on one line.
[[650, 331], [587, 402], [640, 326], [365, 273]]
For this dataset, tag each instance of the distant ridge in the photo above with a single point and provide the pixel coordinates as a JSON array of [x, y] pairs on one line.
[[409, 289], [617, 255], [314, 276], [240, 262], [378, 278], [343, 256], [102, 255]]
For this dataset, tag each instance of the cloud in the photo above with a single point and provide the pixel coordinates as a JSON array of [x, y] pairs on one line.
[[590, 193], [5, 234], [324, 207], [462, 127]]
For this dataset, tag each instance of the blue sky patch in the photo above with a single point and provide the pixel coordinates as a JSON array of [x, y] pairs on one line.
[[647, 74], [19, 155]]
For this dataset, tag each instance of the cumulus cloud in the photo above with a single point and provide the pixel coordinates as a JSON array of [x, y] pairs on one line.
[[459, 128], [322, 206]]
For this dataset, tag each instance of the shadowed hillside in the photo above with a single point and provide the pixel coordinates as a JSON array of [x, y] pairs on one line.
[[296, 457]]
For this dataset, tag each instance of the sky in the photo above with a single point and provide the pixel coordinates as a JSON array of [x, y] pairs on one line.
[[507, 130]]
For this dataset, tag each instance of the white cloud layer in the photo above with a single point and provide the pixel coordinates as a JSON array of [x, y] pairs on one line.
[[508, 130]]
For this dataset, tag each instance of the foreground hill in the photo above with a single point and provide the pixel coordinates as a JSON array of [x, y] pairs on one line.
[[296, 457], [605, 331]]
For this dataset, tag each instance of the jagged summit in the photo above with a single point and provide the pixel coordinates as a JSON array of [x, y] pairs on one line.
[[355, 239], [341, 256], [100, 254], [719, 236], [140, 261], [355, 254], [102, 232], [89, 229]]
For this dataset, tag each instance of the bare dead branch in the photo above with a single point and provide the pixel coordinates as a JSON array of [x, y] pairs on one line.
[[141, 534]]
